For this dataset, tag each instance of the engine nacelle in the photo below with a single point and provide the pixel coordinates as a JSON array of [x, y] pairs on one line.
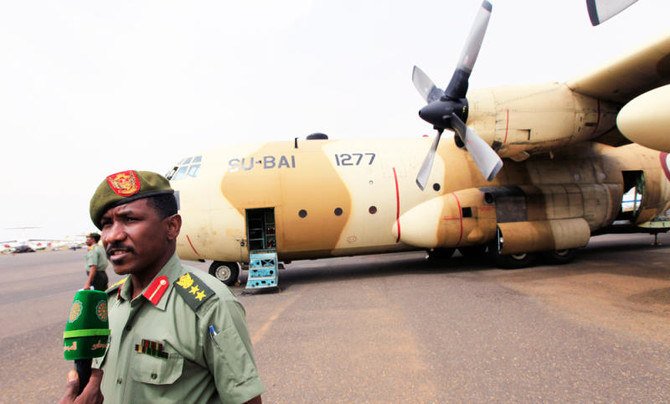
[[543, 235], [520, 121], [461, 218], [530, 218], [645, 120]]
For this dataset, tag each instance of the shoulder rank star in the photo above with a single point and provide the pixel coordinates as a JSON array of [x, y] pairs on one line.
[[193, 290]]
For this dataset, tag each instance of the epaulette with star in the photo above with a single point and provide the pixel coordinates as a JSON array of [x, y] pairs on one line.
[[117, 285], [193, 290]]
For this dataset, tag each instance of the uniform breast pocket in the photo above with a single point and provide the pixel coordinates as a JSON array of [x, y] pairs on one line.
[[156, 370]]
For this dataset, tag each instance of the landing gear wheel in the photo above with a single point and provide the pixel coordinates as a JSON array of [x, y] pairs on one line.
[[226, 272], [559, 257], [440, 253], [514, 261], [473, 251]]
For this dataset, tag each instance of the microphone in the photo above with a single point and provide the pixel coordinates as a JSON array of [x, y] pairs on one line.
[[86, 333]]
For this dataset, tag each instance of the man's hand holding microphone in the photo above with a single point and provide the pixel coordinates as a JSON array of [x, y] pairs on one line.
[[86, 337]]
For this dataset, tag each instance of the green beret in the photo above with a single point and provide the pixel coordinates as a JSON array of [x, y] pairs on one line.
[[124, 187]]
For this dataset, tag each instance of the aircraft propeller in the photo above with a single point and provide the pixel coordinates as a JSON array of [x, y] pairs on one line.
[[448, 109]]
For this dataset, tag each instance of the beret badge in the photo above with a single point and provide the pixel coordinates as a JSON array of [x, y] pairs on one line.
[[124, 183]]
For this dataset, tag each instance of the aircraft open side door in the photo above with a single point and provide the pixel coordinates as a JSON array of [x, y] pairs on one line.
[[261, 230]]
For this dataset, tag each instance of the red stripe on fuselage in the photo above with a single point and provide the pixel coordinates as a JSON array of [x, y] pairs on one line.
[[192, 247], [664, 164], [397, 204], [460, 217]]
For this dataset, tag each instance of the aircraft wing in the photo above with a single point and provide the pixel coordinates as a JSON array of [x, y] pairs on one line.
[[626, 78], [630, 76]]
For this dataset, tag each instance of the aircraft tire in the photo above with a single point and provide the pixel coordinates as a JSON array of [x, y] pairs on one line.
[[473, 251], [440, 253], [559, 257], [512, 261], [515, 261], [226, 272]]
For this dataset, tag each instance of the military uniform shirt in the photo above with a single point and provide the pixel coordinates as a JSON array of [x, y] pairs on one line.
[[96, 256], [178, 346]]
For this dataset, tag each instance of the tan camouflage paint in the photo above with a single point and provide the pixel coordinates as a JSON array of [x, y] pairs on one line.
[[638, 81], [312, 185], [522, 120], [563, 182], [583, 181]]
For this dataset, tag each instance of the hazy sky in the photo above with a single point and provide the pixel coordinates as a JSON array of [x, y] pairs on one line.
[[89, 88]]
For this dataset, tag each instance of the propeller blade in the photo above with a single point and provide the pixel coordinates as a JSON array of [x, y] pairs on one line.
[[474, 41], [425, 86], [487, 160], [449, 109], [458, 86], [603, 10], [427, 166]]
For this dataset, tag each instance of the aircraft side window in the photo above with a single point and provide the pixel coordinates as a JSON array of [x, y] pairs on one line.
[[196, 159], [187, 160]]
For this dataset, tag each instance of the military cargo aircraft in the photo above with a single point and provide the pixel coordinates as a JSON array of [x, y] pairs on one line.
[[533, 171]]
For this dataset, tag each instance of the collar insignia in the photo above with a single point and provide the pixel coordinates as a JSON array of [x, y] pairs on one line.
[[156, 289], [117, 287]]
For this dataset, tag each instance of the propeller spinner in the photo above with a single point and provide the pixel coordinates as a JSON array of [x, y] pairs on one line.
[[448, 109]]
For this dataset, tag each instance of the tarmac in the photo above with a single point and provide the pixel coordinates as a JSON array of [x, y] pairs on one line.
[[401, 328]]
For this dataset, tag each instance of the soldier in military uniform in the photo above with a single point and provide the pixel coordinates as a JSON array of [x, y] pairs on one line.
[[177, 334], [96, 264]]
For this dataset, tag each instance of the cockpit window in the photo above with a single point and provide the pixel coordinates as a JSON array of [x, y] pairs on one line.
[[193, 170], [181, 173], [188, 167]]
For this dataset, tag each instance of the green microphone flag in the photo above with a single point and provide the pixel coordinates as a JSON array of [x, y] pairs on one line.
[[86, 333]]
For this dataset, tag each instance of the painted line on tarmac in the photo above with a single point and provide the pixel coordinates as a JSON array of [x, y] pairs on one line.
[[260, 334]]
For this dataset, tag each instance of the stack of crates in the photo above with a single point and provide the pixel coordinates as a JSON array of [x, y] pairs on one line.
[[262, 270]]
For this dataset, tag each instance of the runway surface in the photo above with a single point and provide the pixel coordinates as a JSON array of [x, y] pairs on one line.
[[400, 328]]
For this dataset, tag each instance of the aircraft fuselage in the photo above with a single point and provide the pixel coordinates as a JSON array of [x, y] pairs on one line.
[[347, 197]]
